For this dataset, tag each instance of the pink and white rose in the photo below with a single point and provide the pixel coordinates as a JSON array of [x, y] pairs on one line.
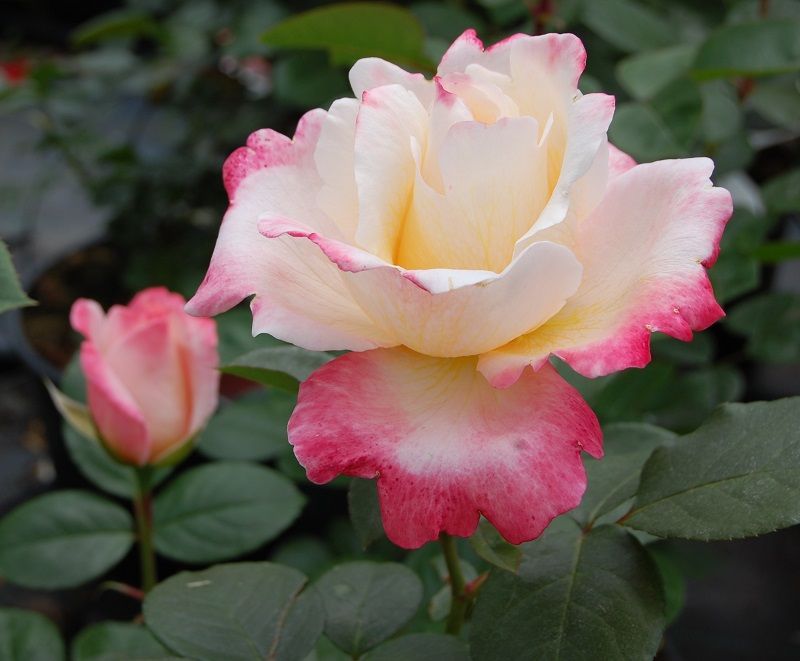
[[452, 233], [151, 374]]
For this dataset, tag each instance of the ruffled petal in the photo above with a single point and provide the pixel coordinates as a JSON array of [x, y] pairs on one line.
[[371, 72], [444, 445], [644, 250], [300, 297], [443, 312]]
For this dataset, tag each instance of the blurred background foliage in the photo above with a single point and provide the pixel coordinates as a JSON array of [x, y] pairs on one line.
[[142, 101]]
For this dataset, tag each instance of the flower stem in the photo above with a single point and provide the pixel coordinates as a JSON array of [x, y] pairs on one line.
[[143, 508], [460, 600]]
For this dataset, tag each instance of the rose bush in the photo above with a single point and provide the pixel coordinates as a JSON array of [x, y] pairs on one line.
[[453, 232], [151, 374]]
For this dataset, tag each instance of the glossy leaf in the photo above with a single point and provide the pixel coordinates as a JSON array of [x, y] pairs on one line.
[[114, 641], [28, 636], [222, 510], [236, 612], [252, 428], [615, 478], [736, 476], [594, 595], [366, 602], [283, 367], [63, 539]]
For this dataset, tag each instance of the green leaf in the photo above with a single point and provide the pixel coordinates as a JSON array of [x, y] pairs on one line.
[[63, 539], [236, 612], [222, 510], [11, 294], [778, 101], [758, 48], [614, 479], [645, 74], [307, 554], [118, 24], [28, 636], [308, 80], [283, 367], [365, 510], [349, 31], [722, 114], [594, 595], [638, 130], [782, 194], [100, 468], [76, 414], [490, 546], [672, 579], [736, 476], [420, 647], [628, 25], [366, 602], [777, 251], [234, 329], [252, 428], [771, 324], [117, 641]]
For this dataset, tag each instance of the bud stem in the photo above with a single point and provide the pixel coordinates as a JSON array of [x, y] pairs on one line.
[[143, 509], [460, 600]]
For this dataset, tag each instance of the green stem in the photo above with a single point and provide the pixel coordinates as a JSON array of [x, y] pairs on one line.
[[460, 600], [143, 508]]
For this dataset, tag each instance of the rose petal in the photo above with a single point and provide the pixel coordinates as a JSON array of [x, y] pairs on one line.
[[371, 72], [114, 411], [448, 312], [494, 183], [444, 445], [643, 249]]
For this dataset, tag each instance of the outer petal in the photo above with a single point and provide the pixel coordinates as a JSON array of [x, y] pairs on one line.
[[468, 49], [444, 312], [300, 297], [444, 445], [643, 250], [371, 72], [151, 364], [114, 411]]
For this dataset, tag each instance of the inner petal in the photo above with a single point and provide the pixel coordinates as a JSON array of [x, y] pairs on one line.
[[494, 184]]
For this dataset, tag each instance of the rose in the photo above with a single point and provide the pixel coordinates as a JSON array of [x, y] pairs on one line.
[[151, 374], [451, 233]]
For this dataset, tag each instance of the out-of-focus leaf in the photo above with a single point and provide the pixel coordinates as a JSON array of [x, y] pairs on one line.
[[745, 11], [778, 100], [349, 31], [736, 476], [221, 510], [28, 636], [446, 21], [679, 105], [252, 428], [771, 323], [307, 80], [365, 510], [420, 647], [63, 539], [117, 641], [638, 130], [722, 114], [782, 194], [118, 24], [778, 251], [759, 48], [630, 26], [490, 546], [645, 74], [11, 294], [283, 367]]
